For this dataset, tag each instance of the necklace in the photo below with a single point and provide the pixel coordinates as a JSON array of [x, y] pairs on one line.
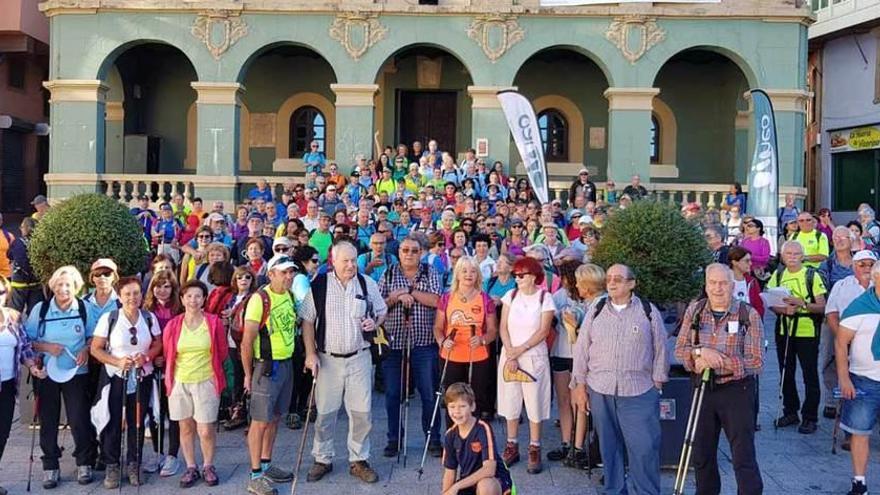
[[466, 297]]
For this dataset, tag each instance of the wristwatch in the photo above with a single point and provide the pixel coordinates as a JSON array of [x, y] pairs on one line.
[[698, 351]]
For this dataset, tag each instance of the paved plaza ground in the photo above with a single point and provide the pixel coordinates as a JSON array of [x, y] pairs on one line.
[[791, 463]]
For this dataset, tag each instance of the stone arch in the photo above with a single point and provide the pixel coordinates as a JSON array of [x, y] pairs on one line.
[[668, 140], [282, 128], [414, 46], [573, 48], [244, 155], [575, 120], [110, 59], [249, 60], [744, 66]]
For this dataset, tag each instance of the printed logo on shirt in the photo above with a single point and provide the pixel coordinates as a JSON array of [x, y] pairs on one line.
[[77, 328], [476, 309], [476, 447]]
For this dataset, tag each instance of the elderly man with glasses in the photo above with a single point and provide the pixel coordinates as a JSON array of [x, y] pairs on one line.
[[620, 358], [313, 159]]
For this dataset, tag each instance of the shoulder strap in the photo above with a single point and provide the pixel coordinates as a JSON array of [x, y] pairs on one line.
[[811, 275], [200, 270], [492, 281], [778, 275], [111, 322], [84, 316], [600, 305], [646, 307], [265, 344], [44, 310], [818, 235], [695, 320], [319, 295], [363, 283]]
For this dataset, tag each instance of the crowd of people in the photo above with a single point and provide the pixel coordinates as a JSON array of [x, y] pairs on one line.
[[417, 274]]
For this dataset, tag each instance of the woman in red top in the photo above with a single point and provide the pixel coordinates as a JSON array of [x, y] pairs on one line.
[[464, 325], [745, 286]]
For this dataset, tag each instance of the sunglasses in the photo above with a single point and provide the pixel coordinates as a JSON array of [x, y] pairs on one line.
[[133, 332], [281, 249], [521, 274], [204, 237], [102, 274], [316, 260], [381, 231], [410, 250]]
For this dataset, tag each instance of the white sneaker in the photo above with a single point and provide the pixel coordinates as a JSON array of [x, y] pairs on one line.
[[170, 466], [151, 462]]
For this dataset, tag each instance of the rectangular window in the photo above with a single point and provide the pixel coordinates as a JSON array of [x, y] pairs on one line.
[[17, 69]]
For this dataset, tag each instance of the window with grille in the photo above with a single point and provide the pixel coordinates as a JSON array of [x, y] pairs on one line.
[[307, 124], [655, 139], [554, 135]]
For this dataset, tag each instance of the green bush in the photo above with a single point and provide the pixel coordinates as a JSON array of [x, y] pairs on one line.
[[82, 229], [665, 251]]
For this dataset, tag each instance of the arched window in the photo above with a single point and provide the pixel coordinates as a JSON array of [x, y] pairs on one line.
[[307, 124], [655, 139], [554, 134]]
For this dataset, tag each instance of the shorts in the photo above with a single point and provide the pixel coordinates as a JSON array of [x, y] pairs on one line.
[[561, 364], [472, 490], [199, 401], [859, 415], [270, 395], [536, 395]]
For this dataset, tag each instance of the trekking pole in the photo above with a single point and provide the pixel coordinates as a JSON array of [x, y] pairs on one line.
[[589, 446], [122, 427], [689, 432], [439, 395], [302, 442], [407, 312], [138, 425], [160, 379], [34, 420], [471, 356], [788, 331]]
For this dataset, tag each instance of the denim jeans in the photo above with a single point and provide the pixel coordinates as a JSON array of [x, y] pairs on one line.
[[424, 376]]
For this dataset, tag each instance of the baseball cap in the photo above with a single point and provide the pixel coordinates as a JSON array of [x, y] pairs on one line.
[[584, 171], [281, 241], [585, 220], [255, 216], [165, 206], [104, 263], [865, 254], [216, 217], [281, 262], [382, 209], [39, 199], [417, 205]]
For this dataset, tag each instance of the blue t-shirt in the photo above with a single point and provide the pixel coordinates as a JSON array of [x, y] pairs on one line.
[[314, 161], [63, 327], [468, 454], [265, 194], [378, 271], [496, 288]]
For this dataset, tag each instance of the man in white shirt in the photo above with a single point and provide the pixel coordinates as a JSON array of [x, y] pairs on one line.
[[857, 350], [842, 294]]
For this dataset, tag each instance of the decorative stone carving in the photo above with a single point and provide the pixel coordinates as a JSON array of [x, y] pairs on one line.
[[357, 32], [495, 34], [219, 30], [647, 30]]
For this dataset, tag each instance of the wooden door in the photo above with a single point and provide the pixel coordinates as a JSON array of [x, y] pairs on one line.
[[426, 115]]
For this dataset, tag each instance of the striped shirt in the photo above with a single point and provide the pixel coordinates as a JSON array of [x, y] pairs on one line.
[[621, 352], [742, 346], [422, 317], [23, 352]]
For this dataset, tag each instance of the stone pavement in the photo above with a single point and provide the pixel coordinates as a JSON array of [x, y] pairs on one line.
[[790, 463]]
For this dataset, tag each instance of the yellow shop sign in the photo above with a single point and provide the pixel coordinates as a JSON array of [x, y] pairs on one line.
[[859, 138]]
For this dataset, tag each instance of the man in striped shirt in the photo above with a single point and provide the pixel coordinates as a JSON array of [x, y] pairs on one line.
[[725, 335], [620, 355]]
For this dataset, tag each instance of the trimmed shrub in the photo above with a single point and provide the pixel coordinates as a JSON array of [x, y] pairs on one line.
[[666, 252], [82, 229]]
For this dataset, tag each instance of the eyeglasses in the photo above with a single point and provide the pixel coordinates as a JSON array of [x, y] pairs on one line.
[[338, 232], [804, 220], [616, 280], [316, 260], [381, 231], [521, 274], [860, 264], [134, 338], [207, 236], [516, 226], [410, 250]]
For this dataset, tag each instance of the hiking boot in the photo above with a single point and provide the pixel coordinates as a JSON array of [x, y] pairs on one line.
[[787, 420], [209, 474], [318, 471], [534, 466], [808, 427], [294, 422], [363, 471], [111, 477], [435, 448], [559, 454], [51, 477], [99, 465], [3, 491], [858, 488], [260, 486], [134, 474], [390, 450], [170, 466], [84, 475], [830, 412], [190, 477], [277, 475], [510, 456], [575, 458]]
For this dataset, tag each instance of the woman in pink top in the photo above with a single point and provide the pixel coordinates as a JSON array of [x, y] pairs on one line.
[[757, 245]]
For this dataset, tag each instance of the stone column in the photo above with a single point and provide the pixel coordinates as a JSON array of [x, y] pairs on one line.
[[218, 106], [629, 133], [488, 122], [76, 149], [354, 122], [742, 147], [114, 134], [790, 109]]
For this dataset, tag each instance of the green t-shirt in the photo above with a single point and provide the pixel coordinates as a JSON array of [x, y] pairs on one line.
[[281, 323], [321, 241], [797, 285], [814, 243]]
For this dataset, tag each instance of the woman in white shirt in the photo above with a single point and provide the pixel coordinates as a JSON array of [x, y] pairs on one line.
[[126, 341], [530, 309]]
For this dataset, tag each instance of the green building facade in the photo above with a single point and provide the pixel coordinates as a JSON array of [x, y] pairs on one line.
[[204, 97]]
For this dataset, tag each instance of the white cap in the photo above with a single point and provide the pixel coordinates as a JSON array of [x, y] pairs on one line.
[[280, 241], [585, 219], [281, 262], [865, 254]]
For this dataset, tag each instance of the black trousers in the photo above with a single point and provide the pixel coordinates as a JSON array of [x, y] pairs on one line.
[[729, 407], [23, 299], [302, 380], [76, 404], [7, 407], [111, 435], [481, 382], [806, 351]]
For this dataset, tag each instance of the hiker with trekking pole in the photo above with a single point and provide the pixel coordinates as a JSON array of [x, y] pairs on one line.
[[464, 328], [411, 291], [15, 350], [720, 342], [126, 341]]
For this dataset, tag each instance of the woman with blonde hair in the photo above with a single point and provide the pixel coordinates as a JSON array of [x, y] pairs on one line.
[[464, 326], [196, 265], [581, 285]]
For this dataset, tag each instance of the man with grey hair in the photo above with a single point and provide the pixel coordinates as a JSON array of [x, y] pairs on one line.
[[724, 335], [348, 308], [715, 240], [797, 336], [620, 365]]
